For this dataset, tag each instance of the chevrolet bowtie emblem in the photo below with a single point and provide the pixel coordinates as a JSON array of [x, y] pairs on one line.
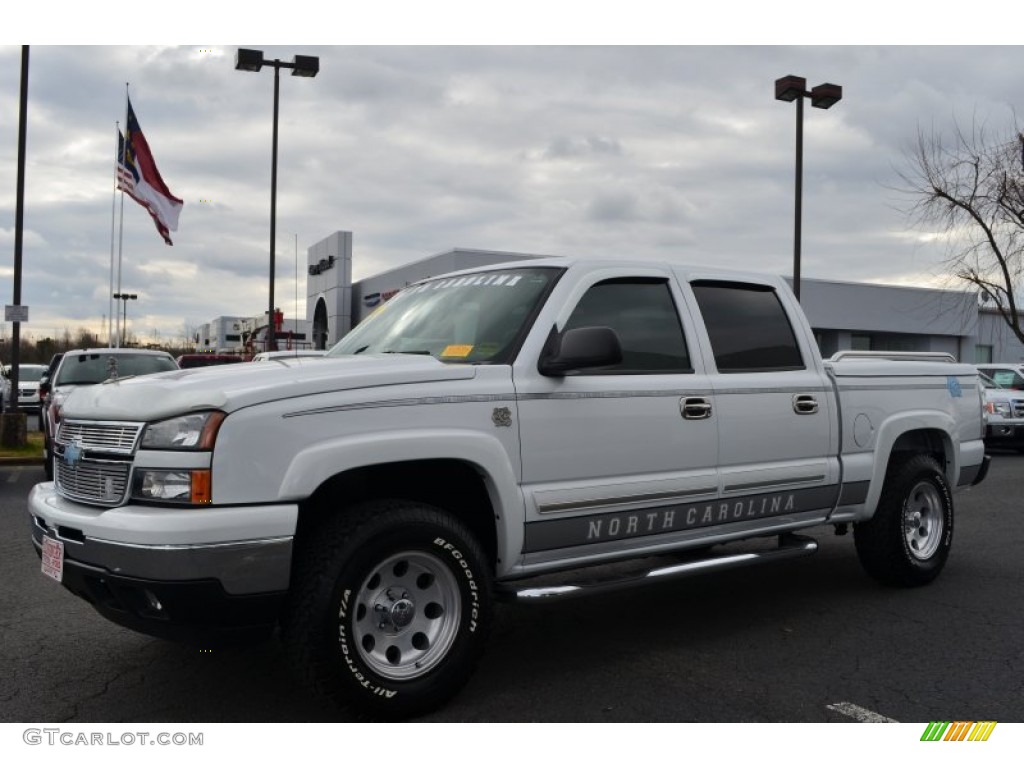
[[73, 453]]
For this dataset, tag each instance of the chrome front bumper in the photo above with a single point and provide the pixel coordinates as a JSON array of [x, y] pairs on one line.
[[247, 550]]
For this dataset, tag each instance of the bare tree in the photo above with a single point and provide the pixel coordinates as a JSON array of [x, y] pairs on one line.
[[970, 190], [86, 339]]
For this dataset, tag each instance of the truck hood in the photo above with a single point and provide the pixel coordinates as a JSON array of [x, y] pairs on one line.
[[231, 387]]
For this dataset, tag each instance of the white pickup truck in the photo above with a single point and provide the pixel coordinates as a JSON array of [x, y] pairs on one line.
[[477, 437]]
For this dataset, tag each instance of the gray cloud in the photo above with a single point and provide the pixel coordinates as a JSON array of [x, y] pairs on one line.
[[642, 152]]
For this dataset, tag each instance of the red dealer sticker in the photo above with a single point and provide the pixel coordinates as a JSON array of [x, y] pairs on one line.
[[53, 558]]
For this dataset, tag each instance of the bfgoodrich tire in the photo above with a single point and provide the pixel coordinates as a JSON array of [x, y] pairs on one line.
[[907, 542], [390, 608]]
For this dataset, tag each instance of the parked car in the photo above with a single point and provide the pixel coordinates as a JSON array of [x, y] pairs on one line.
[[44, 386], [288, 354], [85, 367], [1007, 375], [1004, 415], [28, 387], [201, 360]]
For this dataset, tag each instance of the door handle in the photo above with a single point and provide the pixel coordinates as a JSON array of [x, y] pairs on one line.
[[805, 404], [695, 408]]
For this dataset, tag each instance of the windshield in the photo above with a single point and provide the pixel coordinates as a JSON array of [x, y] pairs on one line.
[[474, 318], [94, 367], [30, 372]]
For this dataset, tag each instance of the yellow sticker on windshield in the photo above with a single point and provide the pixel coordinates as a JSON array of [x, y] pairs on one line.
[[457, 350]]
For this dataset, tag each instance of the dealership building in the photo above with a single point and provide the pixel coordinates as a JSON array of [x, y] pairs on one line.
[[844, 315]]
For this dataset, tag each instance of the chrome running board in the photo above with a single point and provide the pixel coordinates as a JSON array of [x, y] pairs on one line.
[[790, 546]]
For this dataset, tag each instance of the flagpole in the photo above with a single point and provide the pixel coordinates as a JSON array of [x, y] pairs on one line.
[[113, 223], [120, 237]]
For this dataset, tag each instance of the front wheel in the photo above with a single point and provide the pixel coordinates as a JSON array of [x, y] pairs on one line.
[[907, 541], [390, 609]]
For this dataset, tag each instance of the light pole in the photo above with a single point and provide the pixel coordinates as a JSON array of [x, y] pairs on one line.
[[249, 60], [793, 88], [125, 297]]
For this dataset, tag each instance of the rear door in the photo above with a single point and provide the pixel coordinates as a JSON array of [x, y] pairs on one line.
[[776, 410]]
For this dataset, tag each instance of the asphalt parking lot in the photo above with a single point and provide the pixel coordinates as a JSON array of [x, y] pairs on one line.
[[811, 640]]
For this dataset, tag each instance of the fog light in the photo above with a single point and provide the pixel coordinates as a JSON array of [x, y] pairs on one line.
[[154, 603]]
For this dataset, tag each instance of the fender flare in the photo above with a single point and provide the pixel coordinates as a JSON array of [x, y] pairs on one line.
[[900, 425], [316, 464]]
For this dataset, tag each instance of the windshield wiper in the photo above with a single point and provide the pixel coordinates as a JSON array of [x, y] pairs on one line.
[[406, 352]]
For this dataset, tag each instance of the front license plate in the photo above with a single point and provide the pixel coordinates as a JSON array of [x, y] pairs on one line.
[[53, 558]]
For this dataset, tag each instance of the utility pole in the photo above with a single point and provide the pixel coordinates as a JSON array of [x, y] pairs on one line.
[[12, 432]]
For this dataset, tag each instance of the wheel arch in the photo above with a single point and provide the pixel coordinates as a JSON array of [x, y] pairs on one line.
[[467, 473], [453, 485], [918, 434]]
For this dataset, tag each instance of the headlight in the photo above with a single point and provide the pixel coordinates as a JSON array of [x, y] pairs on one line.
[[191, 432], [998, 409], [186, 486]]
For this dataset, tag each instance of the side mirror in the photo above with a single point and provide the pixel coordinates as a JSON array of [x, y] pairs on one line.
[[592, 347]]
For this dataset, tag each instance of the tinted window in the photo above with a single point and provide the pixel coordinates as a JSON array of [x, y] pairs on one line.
[[644, 316], [748, 327]]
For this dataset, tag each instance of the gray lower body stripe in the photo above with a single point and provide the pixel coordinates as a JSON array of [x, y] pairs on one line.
[[611, 526], [854, 493]]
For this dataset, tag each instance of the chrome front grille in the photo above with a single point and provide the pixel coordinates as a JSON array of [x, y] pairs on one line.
[[93, 481], [93, 460], [106, 436]]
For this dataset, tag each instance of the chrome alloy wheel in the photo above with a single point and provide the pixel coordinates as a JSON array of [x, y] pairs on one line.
[[406, 616], [923, 520]]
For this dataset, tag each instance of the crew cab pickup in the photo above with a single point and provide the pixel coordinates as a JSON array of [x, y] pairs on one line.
[[476, 438]]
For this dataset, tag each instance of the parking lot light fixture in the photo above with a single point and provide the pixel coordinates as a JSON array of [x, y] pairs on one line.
[[793, 88], [251, 60]]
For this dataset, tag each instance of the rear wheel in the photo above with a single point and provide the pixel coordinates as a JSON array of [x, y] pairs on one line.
[[908, 540], [390, 610]]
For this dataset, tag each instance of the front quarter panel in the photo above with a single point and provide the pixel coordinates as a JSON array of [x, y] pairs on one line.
[[281, 452]]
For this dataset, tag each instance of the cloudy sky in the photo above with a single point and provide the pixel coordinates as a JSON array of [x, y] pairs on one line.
[[669, 152]]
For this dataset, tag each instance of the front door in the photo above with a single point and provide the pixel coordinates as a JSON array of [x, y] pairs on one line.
[[612, 456]]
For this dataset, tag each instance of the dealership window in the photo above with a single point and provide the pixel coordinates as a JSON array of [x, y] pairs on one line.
[[860, 341], [982, 353]]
